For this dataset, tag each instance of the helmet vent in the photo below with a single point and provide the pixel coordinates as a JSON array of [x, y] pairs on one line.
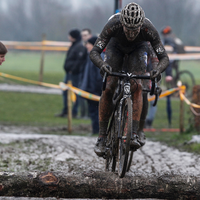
[[132, 15]]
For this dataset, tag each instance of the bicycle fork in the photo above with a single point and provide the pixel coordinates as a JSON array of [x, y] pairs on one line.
[[127, 94]]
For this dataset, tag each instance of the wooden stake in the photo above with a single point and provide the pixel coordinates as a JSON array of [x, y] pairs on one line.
[[181, 116], [42, 59], [69, 105]]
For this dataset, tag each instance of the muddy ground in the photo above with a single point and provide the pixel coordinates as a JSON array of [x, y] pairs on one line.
[[26, 149]]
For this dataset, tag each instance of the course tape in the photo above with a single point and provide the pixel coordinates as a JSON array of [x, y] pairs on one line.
[[62, 86], [182, 97], [93, 97]]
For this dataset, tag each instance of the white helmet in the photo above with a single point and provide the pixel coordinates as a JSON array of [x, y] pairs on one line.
[[132, 16]]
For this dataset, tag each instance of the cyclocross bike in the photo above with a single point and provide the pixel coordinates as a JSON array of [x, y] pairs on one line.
[[119, 131]]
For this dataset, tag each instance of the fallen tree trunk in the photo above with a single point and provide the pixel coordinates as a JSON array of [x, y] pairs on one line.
[[99, 185]]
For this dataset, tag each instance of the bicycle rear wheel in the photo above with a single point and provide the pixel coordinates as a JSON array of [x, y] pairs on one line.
[[112, 144], [187, 79], [125, 137]]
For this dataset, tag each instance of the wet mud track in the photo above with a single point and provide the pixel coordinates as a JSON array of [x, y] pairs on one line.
[[74, 154]]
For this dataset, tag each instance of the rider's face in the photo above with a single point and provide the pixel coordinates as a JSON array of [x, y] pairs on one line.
[[131, 34]]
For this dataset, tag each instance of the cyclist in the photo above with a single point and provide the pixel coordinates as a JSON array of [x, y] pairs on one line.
[[125, 33]]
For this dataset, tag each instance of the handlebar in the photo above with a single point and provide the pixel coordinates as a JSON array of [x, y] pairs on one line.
[[132, 76]]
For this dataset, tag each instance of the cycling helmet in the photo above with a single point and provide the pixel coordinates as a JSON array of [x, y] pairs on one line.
[[132, 16]]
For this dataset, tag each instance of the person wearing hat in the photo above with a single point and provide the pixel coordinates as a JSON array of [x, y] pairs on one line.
[[92, 83], [73, 66], [169, 38]]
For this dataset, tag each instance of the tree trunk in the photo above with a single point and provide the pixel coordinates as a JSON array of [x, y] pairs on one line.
[[92, 184]]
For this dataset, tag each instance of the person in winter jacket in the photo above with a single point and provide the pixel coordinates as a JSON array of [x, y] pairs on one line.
[[74, 67], [92, 83]]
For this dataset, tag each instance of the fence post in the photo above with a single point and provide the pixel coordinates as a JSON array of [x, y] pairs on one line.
[[42, 59], [181, 117], [69, 105], [196, 111]]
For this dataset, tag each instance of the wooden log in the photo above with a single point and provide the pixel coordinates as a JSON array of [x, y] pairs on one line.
[[92, 184]]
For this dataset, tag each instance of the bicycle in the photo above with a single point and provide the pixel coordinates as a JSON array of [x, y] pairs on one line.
[[185, 76], [119, 131]]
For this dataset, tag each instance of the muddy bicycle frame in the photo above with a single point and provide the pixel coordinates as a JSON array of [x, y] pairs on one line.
[[122, 94]]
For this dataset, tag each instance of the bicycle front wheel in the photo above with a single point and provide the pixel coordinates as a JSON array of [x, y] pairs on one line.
[[112, 144], [130, 161], [125, 137]]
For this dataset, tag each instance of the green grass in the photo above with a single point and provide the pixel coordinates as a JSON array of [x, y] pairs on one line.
[[192, 66], [32, 109], [27, 65]]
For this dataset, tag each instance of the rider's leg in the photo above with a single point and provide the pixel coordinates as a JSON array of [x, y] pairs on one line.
[[114, 58], [137, 110], [140, 132], [105, 111], [138, 65]]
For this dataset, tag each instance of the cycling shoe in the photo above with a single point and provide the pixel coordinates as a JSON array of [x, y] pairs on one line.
[[134, 144], [100, 146], [141, 138]]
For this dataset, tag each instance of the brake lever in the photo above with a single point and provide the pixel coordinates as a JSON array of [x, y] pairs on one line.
[[104, 81], [156, 93], [153, 84]]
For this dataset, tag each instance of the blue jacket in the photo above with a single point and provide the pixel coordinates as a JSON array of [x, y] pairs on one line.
[[92, 80]]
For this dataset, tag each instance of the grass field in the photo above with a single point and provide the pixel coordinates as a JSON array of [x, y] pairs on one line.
[[39, 109], [27, 65]]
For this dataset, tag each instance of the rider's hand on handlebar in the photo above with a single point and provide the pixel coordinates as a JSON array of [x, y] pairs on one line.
[[105, 68], [155, 74]]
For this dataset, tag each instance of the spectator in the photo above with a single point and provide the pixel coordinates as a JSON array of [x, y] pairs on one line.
[[3, 52], [74, 63], [170, 39], [92, 82], [86, 34]]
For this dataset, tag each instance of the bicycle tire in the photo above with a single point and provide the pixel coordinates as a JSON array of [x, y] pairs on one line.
[[125, 137], [187, 79], [130, 161], [112, 144]]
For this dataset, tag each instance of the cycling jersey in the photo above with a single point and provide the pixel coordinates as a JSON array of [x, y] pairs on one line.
[[114, 40]]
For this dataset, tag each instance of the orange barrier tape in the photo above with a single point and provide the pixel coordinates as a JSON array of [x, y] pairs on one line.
[[188, 56], [29, 81], [187, 48], [164, 94], [29, 46], [80, 92], [162, 130], [90, 96], [39, 48], [182, 97]]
